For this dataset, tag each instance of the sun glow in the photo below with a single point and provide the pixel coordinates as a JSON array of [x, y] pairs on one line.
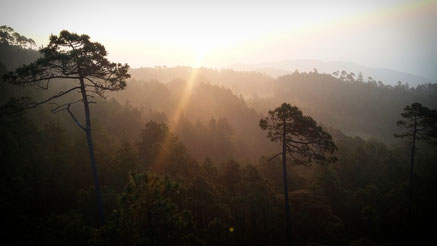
[[174, 33]]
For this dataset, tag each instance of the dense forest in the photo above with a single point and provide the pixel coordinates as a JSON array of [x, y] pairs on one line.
[[206, 177]]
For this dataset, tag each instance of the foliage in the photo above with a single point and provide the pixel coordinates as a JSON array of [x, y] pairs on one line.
[[419, 121], [9, 37], [324, 225], [74, 57], [365, 109], [232, 198], [149, 215], [305, 141], [421, 124], [71, 56]]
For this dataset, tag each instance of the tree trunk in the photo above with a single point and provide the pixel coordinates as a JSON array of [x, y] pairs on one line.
[[101, 220], [284, 173], [410, 195]]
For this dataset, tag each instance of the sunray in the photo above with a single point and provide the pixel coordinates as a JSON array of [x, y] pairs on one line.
[[174, 121]]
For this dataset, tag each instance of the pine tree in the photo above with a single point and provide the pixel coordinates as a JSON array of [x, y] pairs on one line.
[[70, 56], [302, 139], [420, 124]]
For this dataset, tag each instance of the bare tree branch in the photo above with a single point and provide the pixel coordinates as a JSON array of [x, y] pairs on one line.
[[74, 118], [273, 157]]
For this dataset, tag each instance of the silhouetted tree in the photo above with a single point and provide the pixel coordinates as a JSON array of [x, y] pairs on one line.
[[75, 57], [360, 78], [350, 77], [421, 124], [301, 138], [5, 35], [343, 75], [9, 37]]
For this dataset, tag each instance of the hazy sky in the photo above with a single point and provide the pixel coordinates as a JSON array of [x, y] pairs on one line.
[[400, 35]]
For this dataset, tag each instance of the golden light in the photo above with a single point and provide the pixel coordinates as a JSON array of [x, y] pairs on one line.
[[182, 105]]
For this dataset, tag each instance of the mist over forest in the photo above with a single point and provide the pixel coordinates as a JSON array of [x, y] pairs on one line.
[[184, 155]]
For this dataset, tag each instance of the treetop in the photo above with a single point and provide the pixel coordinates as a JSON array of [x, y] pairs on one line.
[[418, 120], [72, 56], [305, 140]]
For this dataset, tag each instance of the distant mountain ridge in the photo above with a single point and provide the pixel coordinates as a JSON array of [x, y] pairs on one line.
[[387, 76], [366, 109]]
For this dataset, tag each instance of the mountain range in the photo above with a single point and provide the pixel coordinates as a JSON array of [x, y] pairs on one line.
[[280, 68]]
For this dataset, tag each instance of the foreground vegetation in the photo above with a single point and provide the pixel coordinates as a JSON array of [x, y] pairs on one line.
[[48, 196]]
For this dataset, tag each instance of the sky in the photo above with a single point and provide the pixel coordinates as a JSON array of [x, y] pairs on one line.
[[394, 34]]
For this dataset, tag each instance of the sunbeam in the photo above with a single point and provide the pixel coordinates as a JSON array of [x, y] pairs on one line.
[[174, 121]]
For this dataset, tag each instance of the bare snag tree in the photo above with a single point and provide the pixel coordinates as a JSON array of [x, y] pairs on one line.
[[73, 57], [302, 139]]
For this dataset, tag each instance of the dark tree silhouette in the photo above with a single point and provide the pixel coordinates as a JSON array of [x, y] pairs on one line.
[[302, 139], [9, 37], [75, 57], [421, 124]]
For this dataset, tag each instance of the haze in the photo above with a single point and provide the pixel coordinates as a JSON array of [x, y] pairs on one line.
[[397, 35], [218, 123]]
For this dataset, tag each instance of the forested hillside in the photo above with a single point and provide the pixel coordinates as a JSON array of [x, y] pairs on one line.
[[204, 177], [363, 107]]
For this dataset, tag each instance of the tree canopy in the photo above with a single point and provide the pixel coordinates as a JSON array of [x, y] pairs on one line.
[[72, 56], [201, 181], [9, 37], [302, 139], [305, 140], [419, 121]]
